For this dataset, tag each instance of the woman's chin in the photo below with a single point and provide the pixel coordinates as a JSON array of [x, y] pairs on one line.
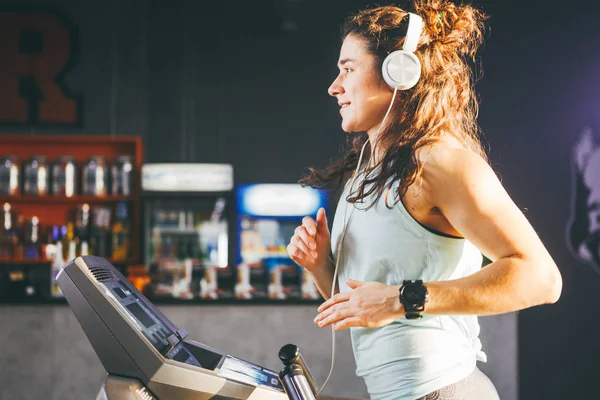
[[348, 127]]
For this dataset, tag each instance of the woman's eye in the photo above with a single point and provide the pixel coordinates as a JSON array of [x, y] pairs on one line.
[[347, 70]]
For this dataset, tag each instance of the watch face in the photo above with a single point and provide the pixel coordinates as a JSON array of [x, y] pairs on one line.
[[414, 294]]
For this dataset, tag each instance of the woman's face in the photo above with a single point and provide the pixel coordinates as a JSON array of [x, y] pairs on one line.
[[361, 92]]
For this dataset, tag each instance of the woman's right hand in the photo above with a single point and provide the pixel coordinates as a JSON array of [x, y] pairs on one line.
[[311, 244]]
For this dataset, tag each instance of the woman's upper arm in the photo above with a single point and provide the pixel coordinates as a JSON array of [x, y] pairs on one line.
[[470, 196]]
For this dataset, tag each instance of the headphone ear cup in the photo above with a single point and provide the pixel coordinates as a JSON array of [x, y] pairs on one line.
[[401, 69]]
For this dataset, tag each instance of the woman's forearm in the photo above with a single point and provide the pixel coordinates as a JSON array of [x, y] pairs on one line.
[[507, 285], [323, 279]]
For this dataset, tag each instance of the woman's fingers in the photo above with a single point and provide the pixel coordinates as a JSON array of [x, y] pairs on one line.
[[348, 323], [337, 298], [310, 225], [295, 253], [299, 256], [304, 241], [303, 245], [335, 314]]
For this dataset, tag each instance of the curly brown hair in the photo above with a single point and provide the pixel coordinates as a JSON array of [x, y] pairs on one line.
[[443, 101]]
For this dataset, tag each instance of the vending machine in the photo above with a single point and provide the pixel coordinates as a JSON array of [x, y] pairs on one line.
[[267, 215], [188, 222]]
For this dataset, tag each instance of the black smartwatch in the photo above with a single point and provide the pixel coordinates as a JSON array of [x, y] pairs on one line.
[[413, 296]]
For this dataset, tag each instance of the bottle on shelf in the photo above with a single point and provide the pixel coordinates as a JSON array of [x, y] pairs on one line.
[[64, 176], [190, 225], [72, 253], [9, 175], [84, 249], [208, 284], [66, 236], [95, 177], [53, 237], [36, 176], [275, 267], [55, 268], [121, 172], [31, 246], [69, 239], [100, 232], [243, 289], [7, 233], [82, 225], [167, 249], [181, 220], [155, 248], [182, 271], [120, 233], [19, 234]]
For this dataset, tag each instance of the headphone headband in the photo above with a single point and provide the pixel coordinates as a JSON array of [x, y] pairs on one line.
[[415, 26]]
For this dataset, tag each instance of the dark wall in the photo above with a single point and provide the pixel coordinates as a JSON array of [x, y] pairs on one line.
[[539, 91], [223, 82]]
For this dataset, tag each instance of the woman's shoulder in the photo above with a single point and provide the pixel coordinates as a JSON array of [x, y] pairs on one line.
[[446, 165], [448, 156]]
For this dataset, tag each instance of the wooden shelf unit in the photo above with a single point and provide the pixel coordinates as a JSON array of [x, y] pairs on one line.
[[41, 261], [78, 199], [56, 210]]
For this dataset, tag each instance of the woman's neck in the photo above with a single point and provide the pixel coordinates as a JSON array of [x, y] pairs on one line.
[[376, 151]]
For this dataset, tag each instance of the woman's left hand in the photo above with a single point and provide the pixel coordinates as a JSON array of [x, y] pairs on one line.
[[368, 305]]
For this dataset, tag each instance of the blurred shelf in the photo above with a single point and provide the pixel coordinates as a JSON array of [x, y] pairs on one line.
[[26, 261], [179, 302], [58, 209], [62, 199], [24, 301], [175, 230], [232, 301], [23, 261]]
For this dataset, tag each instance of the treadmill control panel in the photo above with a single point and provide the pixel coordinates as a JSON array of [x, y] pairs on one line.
[[167, 339], [163, 338], [172, 346]]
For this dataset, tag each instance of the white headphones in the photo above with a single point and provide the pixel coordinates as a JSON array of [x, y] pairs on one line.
[[401, 69]]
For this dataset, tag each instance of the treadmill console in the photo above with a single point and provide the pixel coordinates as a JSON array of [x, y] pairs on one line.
[[133, 339], [165, 340]]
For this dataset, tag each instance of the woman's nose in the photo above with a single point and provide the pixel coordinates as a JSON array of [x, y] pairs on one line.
[[335, 88]]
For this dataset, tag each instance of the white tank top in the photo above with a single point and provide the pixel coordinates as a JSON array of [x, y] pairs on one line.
[[408, 358]]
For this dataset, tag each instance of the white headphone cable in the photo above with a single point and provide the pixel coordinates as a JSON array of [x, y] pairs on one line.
[[343, 234]]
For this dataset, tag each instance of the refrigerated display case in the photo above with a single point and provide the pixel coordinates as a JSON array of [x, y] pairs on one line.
[[188, 223], [267, 215]]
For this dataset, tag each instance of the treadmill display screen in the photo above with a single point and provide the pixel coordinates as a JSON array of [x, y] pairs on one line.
[[243, 371], [141, 316], [147, 322]]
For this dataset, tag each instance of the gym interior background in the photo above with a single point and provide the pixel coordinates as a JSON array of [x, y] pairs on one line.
[[245, 83]]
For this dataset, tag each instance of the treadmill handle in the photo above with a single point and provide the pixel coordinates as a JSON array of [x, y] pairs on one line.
[[295, 375], [295, 383]]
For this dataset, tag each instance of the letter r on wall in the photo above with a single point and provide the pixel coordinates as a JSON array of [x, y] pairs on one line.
[[35, 50]]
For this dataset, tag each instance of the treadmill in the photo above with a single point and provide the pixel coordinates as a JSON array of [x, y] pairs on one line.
[[146, 357]]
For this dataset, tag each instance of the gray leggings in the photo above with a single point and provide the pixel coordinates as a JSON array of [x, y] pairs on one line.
[[476, 386]]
